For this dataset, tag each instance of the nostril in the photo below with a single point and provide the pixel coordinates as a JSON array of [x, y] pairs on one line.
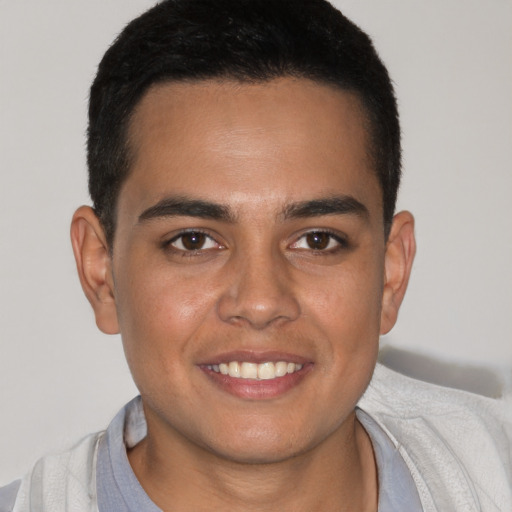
[[259, 291], [258, 313]]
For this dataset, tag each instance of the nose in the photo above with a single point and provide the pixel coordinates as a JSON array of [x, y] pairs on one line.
[[260, 293]]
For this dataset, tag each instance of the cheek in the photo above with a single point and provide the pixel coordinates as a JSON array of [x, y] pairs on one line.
[[349, 319], [153, 295], [159, 313], [348, 316], [366, 283], [350, 301]]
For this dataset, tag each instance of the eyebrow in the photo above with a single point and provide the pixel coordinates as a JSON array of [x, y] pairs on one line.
[[185, 207], [338, 205]]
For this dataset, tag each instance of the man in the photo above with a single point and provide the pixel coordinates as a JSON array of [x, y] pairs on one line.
[[244, 162]]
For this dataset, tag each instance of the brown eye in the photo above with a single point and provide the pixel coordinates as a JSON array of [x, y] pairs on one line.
[[193, 241], [318, 240]]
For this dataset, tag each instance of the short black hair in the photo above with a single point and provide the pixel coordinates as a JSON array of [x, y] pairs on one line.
[[251, 41]]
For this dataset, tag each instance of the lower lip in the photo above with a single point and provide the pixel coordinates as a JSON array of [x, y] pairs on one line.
[[252, 389]]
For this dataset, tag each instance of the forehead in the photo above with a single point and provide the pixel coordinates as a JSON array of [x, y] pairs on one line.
[[243, 143]]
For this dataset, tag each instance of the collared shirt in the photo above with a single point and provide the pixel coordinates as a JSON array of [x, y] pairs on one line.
[[120, 491], [455, 444]]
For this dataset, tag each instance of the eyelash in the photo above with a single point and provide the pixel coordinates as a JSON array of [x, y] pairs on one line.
[[168, 244], [341, 242]]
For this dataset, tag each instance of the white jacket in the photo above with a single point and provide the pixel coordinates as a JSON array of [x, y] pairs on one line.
[[457, 446]]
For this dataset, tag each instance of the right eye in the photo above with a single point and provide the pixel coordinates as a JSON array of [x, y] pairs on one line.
[[191, 241]]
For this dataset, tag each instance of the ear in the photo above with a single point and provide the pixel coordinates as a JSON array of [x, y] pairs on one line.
[[94, 265], [400, 251]]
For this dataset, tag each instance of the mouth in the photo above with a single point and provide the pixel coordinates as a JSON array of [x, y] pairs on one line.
[[257, 376], [257, 371]]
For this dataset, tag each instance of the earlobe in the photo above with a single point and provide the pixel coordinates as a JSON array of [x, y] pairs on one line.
[[400, 251], [93, 262]]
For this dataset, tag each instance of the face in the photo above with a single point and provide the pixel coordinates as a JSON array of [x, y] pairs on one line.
[[248, 267]]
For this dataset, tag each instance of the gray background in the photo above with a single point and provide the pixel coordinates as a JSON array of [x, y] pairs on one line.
[[451, 62]]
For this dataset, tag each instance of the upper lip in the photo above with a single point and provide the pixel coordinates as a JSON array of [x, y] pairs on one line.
[[255, 356]]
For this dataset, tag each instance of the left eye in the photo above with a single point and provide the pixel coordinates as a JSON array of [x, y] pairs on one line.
[[318, 241], [193, 241]]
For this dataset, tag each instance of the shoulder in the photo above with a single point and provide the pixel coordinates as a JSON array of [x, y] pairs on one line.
[[391, 394], [456, 444], [8, 496], [57, 481]]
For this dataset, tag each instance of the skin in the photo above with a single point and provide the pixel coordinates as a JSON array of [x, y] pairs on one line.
[[255, 282]]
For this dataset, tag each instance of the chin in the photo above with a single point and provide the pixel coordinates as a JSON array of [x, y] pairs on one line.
[[258, 455], [260, 446]]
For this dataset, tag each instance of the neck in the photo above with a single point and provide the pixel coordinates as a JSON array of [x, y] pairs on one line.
[[337, 475]]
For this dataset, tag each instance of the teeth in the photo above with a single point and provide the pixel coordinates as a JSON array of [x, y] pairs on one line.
[[234, 369], [281, 368], [263, 371], [249, 371], [266, 371]]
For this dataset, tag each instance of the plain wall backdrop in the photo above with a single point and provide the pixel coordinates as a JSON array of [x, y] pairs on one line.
[[451, 62]]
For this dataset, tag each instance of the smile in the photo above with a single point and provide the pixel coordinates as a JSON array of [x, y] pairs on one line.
[[262, 371]]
